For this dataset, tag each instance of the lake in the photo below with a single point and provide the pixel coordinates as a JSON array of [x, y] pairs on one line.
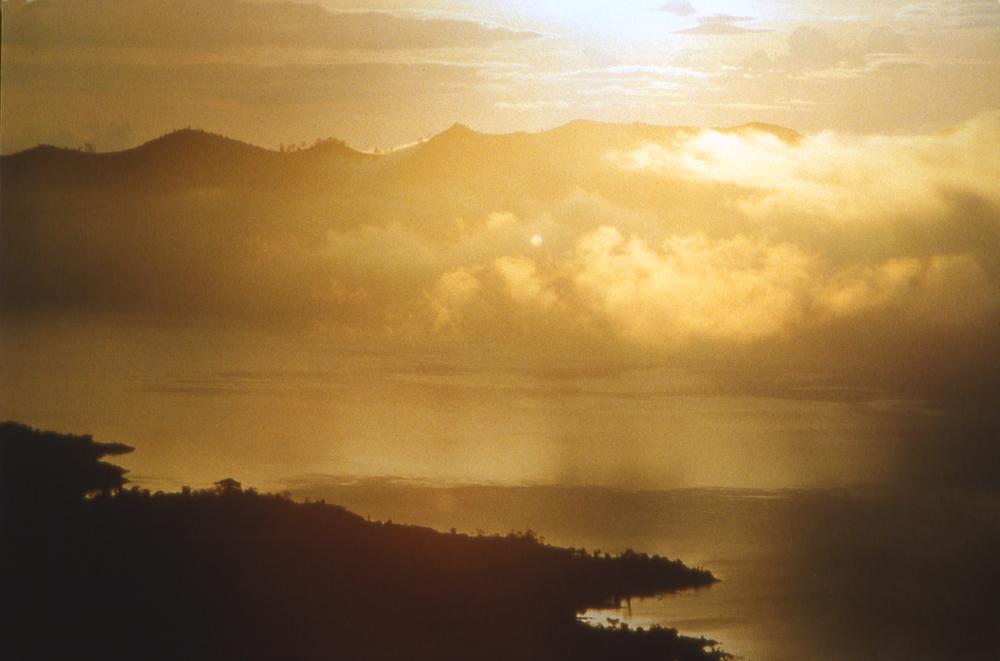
[[777, 483], [832, 575]]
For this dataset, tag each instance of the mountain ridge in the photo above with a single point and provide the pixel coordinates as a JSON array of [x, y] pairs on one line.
[[195, 138], [192, 211]]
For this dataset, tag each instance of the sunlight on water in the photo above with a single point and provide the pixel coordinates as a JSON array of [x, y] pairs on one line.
[[280, 404], [458, 442], [804, 574]]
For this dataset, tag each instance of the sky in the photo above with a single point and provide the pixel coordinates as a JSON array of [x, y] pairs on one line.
[[589, 304], [597, 304], [381, 74], [585, 247]]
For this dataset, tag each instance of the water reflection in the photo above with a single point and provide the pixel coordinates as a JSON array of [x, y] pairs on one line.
[[195, 400], [805, 574], [809, 573]]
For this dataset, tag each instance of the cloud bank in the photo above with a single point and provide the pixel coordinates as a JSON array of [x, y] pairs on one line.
[[223, 24], [699, 297], [835, 227], [660, 242]]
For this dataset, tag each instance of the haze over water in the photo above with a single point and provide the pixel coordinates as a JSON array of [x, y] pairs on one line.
[[813, 574], [718, 280], [275, 405]]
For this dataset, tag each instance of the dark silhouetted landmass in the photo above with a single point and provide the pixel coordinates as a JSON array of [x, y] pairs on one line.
[[45, 469], [229, 573], [184, 159]]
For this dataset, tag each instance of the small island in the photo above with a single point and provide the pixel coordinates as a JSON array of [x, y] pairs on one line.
[[92, 569]]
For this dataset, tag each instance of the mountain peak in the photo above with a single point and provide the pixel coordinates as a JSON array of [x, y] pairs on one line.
[[457, 133], [192, 139], [457, 137], [459, 128], [335, 147]]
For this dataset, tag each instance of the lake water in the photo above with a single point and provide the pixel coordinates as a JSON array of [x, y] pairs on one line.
[[806, 575], [204, 402], [813, 566]]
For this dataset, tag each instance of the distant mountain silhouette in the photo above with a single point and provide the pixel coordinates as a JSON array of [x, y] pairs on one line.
[[231, 574], [524, 157], [187, 158], [196, 224], [210, 158]]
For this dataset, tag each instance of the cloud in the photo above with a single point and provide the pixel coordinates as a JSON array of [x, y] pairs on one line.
[[720, 25], [454, 290], [735, 290], [523, 283], [943, 289], [656, 241], [813, 47], [196, 25], [885, 40], [834, 177], [116, 104], [951, 14], [679, 8], [869, 265], [801, 239]]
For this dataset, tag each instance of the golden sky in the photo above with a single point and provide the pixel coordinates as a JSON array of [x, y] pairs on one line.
[[118, 73]]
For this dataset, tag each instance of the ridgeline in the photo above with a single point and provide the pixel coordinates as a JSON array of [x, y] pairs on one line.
[[91, 569]]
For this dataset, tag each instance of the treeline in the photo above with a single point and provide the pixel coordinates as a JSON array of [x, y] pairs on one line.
[[229, 573]]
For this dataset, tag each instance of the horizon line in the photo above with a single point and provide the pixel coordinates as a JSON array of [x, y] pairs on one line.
[[378, 151]]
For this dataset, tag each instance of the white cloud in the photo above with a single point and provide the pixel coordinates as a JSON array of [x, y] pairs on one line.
[[736, 289], [833, 177]]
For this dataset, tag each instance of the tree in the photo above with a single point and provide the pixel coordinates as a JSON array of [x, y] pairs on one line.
[[229, 486], [39, 468]]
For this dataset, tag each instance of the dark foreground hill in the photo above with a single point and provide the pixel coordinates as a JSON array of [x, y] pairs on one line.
[[233, 574]]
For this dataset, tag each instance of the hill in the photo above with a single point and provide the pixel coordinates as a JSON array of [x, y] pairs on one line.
[[184, 159], [233, 574], [196, 225], [195, 158]]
